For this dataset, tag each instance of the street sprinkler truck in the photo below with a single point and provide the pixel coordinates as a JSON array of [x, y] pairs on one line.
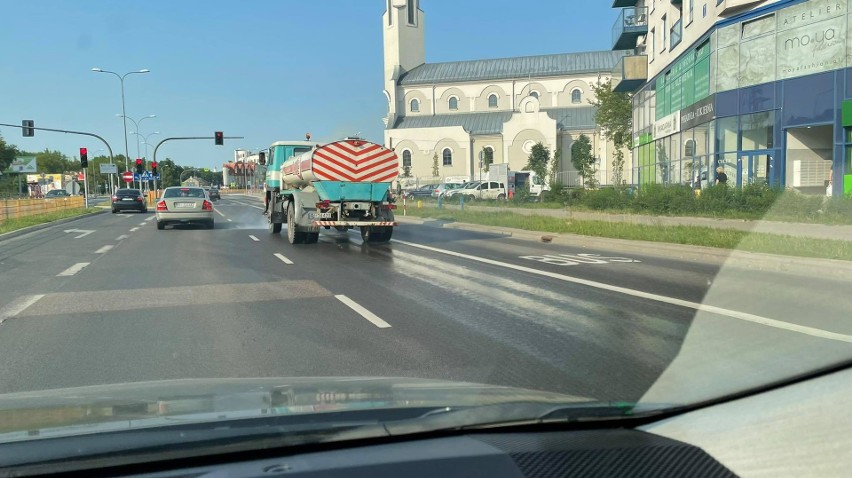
[[516, 181], [344, 185]]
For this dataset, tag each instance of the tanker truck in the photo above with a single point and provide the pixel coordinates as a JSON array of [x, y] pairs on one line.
[[342, 185]]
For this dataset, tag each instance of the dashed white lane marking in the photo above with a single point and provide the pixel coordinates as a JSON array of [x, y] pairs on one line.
[[122, 237], [230, 220], [142, 223], [134, 229], [734, 314], [218, 212], [283, 259], [253, 238], [73, 269], [363, 312], [104, 249], [18, 305], [150, 218]]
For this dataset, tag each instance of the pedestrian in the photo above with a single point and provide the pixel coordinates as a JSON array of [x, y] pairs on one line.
[[721, 177], [828, 182]]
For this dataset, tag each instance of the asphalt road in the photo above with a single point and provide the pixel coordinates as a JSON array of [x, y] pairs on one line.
[[110, 299]]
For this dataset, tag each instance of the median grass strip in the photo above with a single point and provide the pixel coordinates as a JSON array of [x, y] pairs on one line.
[[690, 235], [14, 224]]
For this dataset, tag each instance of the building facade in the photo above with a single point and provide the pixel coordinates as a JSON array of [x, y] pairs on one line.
[[759, 88], [454, 117]]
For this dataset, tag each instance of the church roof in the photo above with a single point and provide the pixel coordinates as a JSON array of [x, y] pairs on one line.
[[582, 117], [560, 64]]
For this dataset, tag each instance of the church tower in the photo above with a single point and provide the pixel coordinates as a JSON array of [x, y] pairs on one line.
[[404, 48]]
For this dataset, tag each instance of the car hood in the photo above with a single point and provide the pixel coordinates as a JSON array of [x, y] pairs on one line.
[[62, 412]]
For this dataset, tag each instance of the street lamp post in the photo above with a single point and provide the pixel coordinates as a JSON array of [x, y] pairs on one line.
[[123, 107], [136, 124]]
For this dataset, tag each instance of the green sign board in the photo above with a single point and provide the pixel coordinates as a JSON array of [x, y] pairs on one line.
[[846, 113]]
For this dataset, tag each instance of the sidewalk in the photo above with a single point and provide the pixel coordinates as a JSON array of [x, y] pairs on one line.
[[819, 231]]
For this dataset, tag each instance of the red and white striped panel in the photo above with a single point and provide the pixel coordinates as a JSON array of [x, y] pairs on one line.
[[354, 223], [356, 161]]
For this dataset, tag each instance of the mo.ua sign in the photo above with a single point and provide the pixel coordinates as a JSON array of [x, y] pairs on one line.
[[811, 39]]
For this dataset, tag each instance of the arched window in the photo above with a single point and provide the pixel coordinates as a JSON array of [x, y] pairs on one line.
[[576, 96], [406, 159], [448, 157], [534, 93], [492, 100], [415, 105], [453, 103]]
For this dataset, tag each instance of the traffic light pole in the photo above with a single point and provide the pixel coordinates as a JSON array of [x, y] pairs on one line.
[[183, 138], [66, 131]]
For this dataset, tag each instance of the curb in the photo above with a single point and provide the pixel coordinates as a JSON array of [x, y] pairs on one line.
[[38, 227], [821, 268]]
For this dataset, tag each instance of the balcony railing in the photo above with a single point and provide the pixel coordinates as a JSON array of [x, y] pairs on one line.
[[631, 23], [623, 3]]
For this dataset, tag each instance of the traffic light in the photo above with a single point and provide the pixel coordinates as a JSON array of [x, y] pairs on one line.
[[154, 168], [84, 157], [27, 129], [219, 138], [139, 166]]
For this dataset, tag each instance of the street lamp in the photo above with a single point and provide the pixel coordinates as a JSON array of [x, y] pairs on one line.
[[144, 140], [123, 107], [136, 123]]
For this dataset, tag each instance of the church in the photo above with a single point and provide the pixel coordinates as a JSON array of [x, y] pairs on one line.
[[462, 111]]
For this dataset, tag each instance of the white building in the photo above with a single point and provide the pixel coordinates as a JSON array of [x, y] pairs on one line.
[[499, 108]]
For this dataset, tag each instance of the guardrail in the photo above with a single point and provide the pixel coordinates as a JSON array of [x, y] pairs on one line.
[[15, 208]]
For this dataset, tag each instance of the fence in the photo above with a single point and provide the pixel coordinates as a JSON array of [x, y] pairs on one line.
[[15, 208]]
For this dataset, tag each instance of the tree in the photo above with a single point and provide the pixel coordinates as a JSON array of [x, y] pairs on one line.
[[615, 117], [664, 164], [406, 172], [169, 173], [436, 171], [487, 159], [584, 161], [538, 160]]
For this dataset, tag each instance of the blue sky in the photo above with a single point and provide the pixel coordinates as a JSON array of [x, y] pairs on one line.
[[268, 70]]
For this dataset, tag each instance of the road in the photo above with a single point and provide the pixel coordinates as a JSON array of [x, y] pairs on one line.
[[110, 299]]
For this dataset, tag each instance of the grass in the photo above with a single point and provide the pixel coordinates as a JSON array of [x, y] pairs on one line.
[[14, 224], [689, 235]]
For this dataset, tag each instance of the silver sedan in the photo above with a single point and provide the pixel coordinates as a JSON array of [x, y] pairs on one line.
[[184, 205]]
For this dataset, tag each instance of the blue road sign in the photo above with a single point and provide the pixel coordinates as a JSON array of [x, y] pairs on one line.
[[146, 176]]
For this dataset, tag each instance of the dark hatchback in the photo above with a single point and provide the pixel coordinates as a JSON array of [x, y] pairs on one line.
[[214, 194], [128, 200]]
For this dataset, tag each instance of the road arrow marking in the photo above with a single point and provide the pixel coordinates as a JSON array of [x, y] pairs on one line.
[[85, 232]]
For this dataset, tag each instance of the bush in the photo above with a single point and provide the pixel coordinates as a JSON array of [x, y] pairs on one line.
[[606, 198], [658, 199]]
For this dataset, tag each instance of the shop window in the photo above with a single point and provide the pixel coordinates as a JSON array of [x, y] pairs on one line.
[[726, 134], [757, 130]]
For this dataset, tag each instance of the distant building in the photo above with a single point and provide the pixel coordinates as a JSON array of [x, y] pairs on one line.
[[499, 108]]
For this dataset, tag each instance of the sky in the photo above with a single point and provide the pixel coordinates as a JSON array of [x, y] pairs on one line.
[[267, 70]]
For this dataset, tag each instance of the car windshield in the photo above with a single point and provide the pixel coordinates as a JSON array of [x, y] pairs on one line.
[[417, 205]]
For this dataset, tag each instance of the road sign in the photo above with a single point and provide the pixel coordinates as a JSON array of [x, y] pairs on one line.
[[23, 165], [127, 176], [107, 168], [146, 176]]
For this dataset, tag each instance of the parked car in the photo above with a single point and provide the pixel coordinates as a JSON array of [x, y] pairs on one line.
[[465, 189], [184, 205], [128, 200], [214, 194], [57, 193], [442, 188], [421, 192], [481, 190]]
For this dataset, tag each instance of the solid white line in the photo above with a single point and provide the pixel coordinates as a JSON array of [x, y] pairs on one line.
[[283, 259], [218, 212], [253, 238], [734, 314], [134, 229], [256, 207], [122, 237], [363, 312], [104, 249], [18, 305], [150, 218], [73, 269]]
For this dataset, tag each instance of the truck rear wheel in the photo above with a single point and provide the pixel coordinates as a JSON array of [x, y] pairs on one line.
[[273, 227], [293, 236], [376, 234], [311, 237]]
